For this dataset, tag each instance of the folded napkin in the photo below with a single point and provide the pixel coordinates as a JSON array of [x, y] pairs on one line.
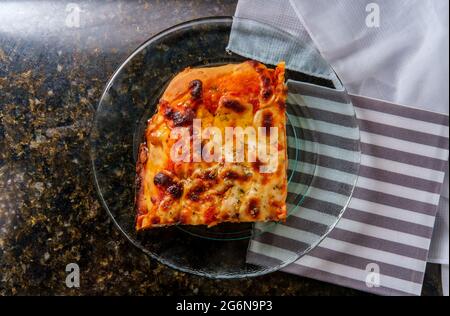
[[389, 221]]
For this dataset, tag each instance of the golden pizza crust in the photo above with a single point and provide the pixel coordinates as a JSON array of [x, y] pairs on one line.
[[207, 193]]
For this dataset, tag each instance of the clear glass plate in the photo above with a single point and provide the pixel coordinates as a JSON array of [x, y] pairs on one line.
[[130, 99]]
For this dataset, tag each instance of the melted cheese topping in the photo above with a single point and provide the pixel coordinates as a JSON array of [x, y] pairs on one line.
[[208, 193]]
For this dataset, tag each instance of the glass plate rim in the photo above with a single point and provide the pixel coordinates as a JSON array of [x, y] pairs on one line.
[[122, 64]]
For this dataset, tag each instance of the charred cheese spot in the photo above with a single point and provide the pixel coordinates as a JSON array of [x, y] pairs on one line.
[[196, 191], [225, 216], [179, 118], [257, 165], [209, 175], [163, 180], [233, 105], [233, 175], [183, 118], [281, 104], [155, 220], [266, 81], [168, 113], [166, 182], [175, 190], [253, 207], [195, 86], [224, 189], [266, 93], [267, 120]]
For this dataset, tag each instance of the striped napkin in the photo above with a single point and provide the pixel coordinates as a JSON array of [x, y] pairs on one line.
[[380, 244]]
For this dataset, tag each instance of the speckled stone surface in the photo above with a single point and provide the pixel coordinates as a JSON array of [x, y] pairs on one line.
[[55, 58]]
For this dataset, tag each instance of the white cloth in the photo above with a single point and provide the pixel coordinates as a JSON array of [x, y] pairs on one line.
[[439, 249], [405, 60], [445, 279]]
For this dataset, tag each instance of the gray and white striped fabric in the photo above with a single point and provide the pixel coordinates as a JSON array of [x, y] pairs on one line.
[[381, 243]]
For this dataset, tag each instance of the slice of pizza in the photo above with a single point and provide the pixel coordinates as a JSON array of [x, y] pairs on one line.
[[215, 151]]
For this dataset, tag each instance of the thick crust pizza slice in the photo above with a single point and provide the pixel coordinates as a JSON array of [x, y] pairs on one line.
[[206, 158]]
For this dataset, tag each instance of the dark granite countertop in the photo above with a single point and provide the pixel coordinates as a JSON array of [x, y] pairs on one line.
[[55, 58]]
